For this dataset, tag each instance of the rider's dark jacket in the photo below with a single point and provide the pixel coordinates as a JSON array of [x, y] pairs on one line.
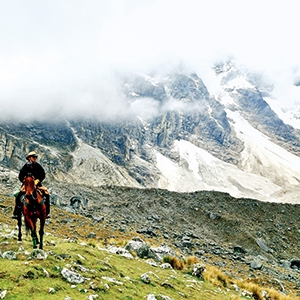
[[35, 169]]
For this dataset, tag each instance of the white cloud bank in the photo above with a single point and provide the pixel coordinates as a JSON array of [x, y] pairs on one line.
[[61, 57]]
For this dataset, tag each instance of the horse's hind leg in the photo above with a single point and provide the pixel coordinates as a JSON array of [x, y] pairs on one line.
[[20, 227]]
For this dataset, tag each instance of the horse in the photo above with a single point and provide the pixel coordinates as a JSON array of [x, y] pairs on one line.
[[33, 208]]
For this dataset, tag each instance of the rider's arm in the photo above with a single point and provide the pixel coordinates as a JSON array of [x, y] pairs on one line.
[[41, 173], [23, 173]]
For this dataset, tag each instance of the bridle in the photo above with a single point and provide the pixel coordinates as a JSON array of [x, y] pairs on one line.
[[31, 195]]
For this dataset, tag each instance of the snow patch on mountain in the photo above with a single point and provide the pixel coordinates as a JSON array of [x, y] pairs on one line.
[[238, 82], [290, 117], [199, 170], [261, 156]]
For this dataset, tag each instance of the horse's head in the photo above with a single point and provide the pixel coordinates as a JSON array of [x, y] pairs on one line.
[[29, 184]]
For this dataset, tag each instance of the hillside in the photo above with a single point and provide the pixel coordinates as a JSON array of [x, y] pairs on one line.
[[248, 240]]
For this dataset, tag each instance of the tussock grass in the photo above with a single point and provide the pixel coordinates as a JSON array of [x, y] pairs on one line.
[[191, 260], [176, 263], [215, 276], [181, 264], [262, 293]]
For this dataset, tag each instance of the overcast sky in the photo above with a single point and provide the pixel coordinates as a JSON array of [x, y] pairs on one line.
[[63, 55]]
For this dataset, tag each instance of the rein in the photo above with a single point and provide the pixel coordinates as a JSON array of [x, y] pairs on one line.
[[33, 196]]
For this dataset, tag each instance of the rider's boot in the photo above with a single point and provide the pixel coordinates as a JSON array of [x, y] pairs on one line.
[[47, 203]]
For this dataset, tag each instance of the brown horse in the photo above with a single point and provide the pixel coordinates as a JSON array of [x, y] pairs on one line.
[[34, 208]]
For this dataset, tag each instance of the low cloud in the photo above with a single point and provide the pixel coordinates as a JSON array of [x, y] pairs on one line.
[[65, 58]]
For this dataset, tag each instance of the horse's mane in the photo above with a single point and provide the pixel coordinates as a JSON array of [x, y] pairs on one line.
[[29, 184]]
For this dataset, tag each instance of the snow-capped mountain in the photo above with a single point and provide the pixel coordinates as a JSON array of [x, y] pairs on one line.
[[178, 136]]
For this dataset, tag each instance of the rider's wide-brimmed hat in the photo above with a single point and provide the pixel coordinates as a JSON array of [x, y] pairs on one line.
[[32, 153]]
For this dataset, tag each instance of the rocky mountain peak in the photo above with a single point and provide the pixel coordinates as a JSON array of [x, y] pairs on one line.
[[193, 137]]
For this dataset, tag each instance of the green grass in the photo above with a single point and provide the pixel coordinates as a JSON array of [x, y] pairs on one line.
[[25, 278]]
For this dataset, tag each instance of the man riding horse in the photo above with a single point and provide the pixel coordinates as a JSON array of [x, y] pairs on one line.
[[37, 171]]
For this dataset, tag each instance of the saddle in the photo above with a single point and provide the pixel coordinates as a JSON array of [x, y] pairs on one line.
[[42, 189]]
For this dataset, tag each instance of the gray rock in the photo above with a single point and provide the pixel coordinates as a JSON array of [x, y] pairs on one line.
[[166, 266], [239, 249], [98, 218], [262, 244], [186, 242], [198, 270], [163, 297], [91, 235], [11, 255], [142, 249], [162, 251], [71, 276], [256, 265], [213, 216], [285, 264], [120, 251], [113, 280], [38, 254], [145, 278], [3, 294], [78, 202], [69, 210], [147, 231]]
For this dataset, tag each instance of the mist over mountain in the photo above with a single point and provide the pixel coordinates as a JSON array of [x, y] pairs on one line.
[[168, 131]]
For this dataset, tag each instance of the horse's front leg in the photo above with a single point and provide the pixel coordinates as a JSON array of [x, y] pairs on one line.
[[34, 236], [41, 233]]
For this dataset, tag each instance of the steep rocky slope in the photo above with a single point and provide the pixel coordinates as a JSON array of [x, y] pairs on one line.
[[202, 215]]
